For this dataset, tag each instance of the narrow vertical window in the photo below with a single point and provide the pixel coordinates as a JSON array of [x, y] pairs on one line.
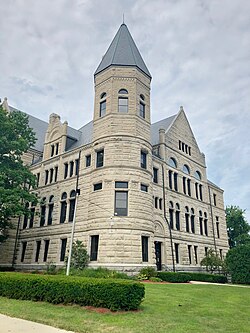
[[121, 203], [99, 158], [205, 224], [71, 168], [37, 179], [214, 196], [46, 250], [218, 229], [66, 166], [38, 247], [63, 249], [72, 202], [192, 221], [160, 204], [26, 216], [190, 254], [201, 196], [221, 255], [142, 110], [102, 108], [56, 173], [176, 249], [189, 187], [143, 159], [170, 183], [184, 184], [32, 214], [24, 246], [123, 104], [51, 175], [57, 148], [201, 223], [94, 247], [196, 254], [88, 161], [43, 212], [177, 217], [196, 191], [187, 218], [144, 243], [156, 202], [206, 251], [176, 181], [155, 175], [51, 208], [63, 207], [77, 167], [46, 177], [171, 215], [52, 150]]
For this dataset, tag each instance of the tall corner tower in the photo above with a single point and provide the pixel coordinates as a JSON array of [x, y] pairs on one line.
[[122, 142]]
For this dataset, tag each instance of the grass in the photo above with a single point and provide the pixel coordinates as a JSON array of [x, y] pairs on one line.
[[170, 308]]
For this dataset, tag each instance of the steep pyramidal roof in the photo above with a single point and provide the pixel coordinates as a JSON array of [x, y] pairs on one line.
[[123, 52]]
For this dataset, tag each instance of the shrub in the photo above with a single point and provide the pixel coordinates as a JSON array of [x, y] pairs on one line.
[[100, 272], [155, 279], [212, 262], [206, 277], [174, 277], [112, 294], [146, 273], [51, 268], [238, 264], [79, 256]]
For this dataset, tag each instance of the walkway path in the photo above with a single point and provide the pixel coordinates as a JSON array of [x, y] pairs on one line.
[[15, 325]]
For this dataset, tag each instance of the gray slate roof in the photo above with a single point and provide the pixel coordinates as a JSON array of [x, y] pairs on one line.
[[164, 123], [123, 52]]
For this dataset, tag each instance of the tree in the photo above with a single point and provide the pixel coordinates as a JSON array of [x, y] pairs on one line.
[[15, 178], [212, 262], [238, 263], [79, 256], [237, 226]]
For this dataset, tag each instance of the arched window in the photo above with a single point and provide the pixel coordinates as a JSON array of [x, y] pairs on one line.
[[197, 175], [187, 218], [51, 208], [172, 162], [142, 97], [43, 212], [72, 202], [63, 207], [186, 169], [205, 224], [32, 214], [123, 91], [25, 219], [171, 214], [192, 221], [102, 110], [123, 101], [177, 217], [142, 106], [201, 222]]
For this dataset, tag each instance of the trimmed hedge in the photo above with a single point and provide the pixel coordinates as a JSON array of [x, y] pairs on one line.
[[174, 277], [183, 277], [108, 293]]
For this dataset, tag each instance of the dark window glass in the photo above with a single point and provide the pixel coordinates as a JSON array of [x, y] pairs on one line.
[[187, 221], [201, 197], [121, 203], [56, 173], [197, 175], [218, 229], [205, 227], [179, 144], [103, 95], [71, 168], [24, 245], [32, 215], [156, 202], [193, 224], [46, 176], [160, 204], [37, 179], [77, 167], [94, 247], [52, 150], [221, 256], [63, 211], [201, 226], [142, 97], [63, 249], [183, 146], [184, 184], [196, 191], [186, 169], [26, 216], [190, 254], [206, 250], [102, 108], [144, 188], [214, 199], [51, 208], [155, 175], [189, 151], [176, 248], [189, 187], [99, 158], [51, 175], [170, 179], [121, 184], [123, 104], [57, 148], [196, 254], [97, 186], [43, 213], [176, 181], [88, 160], [171, 218], [177, 220], [123, 91], [46, 250], [72, 203], [38, 247], [172, 162], [143, 160], [144, 243], [66, 166], [142, 110]]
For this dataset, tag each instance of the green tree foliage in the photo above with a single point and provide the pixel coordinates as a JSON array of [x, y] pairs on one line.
[[238, 263], [212, 262], [16, 137], [237, 226], [79, 256]]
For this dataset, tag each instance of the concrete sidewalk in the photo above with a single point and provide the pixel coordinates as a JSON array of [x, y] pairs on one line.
[[15, 325]]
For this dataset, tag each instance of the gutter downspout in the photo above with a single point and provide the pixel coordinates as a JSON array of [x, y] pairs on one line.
[[211, 209]]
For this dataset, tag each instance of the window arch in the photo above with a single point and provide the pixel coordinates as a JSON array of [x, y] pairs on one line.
[[43, 211], [186, 169], [63, 207], [51, 208], [72, 202], [123, 91], [172, 162], [197, 175], [142, 97], [102, 110]]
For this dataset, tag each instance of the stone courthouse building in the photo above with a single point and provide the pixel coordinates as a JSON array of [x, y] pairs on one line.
[[138, 192]]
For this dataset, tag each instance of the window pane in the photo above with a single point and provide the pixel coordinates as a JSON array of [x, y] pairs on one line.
[[143, 160], [144, 188], [102, 108], [63, 249], [121, 203], [122, 104], [121, 184], [144, 241], [94, 247], [97, 186], [88, 160], [99, 158], [142, 110]]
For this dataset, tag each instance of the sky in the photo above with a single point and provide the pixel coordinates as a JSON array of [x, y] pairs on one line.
[[197, 51]]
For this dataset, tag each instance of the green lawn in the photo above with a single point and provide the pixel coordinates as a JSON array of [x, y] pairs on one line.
[[170, 308]]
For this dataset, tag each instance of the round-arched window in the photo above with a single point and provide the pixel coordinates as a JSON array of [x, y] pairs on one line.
[[123, 91], [185, 169], [142, 97], [64, 196], [197, 175], [172, 162], [103, 95]]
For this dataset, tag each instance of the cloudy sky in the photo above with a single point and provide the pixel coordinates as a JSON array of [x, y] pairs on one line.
[[198, 52]]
